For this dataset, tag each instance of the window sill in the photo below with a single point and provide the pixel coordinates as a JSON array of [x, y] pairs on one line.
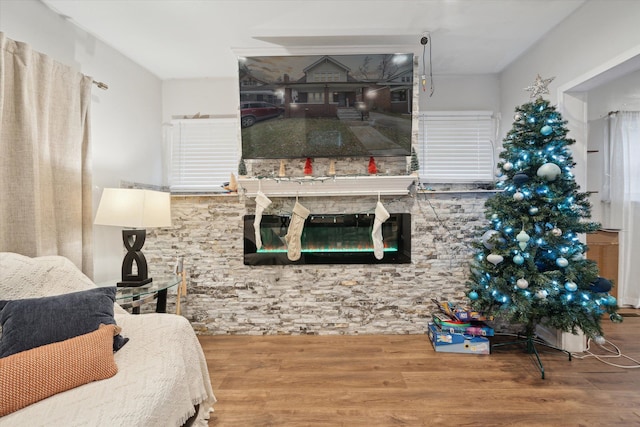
[[203, 194], [477, 190]]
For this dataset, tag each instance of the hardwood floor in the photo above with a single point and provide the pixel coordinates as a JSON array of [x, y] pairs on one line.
[[398, 380]]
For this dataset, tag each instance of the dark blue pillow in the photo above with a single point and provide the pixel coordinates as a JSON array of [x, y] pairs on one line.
[[33, 322]]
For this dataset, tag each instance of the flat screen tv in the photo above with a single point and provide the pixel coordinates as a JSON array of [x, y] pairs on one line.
[[326, 105]]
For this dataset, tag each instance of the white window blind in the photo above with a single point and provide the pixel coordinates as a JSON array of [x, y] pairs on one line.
[[204, 153], [456, 146]]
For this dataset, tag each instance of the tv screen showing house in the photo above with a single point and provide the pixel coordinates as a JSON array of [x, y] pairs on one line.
[[326, 105]]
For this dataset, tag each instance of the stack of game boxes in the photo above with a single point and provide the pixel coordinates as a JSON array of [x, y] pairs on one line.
[[455, 328]]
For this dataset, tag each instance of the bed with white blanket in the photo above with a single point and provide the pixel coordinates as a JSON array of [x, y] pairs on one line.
[[162, 377]]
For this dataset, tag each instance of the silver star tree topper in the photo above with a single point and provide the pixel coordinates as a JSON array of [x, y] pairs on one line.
[[539, 87]]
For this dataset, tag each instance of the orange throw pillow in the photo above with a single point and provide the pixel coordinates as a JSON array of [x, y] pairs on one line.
[[32, 375]]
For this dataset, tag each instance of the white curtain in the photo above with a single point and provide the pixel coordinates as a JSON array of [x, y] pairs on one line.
[[621, 199], [45, 175]]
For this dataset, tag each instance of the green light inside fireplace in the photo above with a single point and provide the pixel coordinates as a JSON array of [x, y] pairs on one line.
[[325, 250]]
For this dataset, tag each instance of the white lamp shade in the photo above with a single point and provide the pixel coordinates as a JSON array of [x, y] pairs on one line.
[[134, 208]]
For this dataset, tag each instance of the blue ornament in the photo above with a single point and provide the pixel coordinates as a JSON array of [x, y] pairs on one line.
[[615, 318], [601, 285], [518, 259], [520, 178], [473, 295], [546, 130], [541, 265], [562, 262], [542, 190], [571, 286], [611, 300]]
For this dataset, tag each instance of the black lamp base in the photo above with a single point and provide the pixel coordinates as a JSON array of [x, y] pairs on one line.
[[133, 241]]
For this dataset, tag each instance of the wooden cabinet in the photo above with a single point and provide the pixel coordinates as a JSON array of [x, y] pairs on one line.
[[603, 249]]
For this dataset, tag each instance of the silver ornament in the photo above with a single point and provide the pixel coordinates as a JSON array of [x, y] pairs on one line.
[[523, 236], [522, 283], [495, 259], [542, 294], [549, 171], [486, 236]]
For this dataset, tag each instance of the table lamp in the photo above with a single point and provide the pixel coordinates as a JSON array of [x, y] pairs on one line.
[[137, 210]]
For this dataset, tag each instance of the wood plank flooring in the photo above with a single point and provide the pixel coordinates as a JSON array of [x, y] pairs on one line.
[[399, 380]]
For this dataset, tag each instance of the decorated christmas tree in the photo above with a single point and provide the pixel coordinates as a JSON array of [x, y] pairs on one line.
[[530, 266], [414, 166], [242, 167]]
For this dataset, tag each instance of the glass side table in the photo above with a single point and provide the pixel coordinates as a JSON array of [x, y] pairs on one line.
[[134, 297]]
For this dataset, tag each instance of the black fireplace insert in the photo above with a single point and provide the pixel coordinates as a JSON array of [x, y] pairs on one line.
[[329, 239]]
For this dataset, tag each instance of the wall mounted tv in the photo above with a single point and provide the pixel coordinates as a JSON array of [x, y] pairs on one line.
[[326, 105]]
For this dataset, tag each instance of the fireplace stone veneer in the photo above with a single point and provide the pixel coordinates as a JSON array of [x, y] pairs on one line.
[[329, 239], [225, 296]]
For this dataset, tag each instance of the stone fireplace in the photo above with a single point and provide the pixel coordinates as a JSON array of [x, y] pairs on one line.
[[329, 239], [226, 296]]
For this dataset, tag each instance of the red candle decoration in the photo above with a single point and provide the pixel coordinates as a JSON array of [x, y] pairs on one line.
[[373, 169], [308, 169]]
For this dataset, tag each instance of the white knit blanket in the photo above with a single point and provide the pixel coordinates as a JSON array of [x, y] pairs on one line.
[[162, 371]]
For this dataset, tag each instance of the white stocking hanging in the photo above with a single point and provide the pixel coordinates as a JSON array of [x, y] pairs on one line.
[[381, 216], [294, 232], [262, 202]]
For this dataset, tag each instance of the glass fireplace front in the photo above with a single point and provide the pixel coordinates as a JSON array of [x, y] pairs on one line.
[[329, 239]]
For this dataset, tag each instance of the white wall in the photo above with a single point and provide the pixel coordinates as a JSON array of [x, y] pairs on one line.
[[455, 93], [125, 120], [215, 96], [621, 94], [595, 34]]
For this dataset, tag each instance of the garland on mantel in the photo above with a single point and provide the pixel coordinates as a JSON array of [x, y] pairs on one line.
[[363, 183], [303, 179]]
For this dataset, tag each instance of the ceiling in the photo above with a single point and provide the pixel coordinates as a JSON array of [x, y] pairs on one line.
[[178, 39]]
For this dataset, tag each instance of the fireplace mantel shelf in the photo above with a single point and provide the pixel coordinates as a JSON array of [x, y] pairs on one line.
[[359, 185]]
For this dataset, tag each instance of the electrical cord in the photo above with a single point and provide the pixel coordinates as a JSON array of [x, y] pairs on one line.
[[424, 40], [615, 354], [456, 248]]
